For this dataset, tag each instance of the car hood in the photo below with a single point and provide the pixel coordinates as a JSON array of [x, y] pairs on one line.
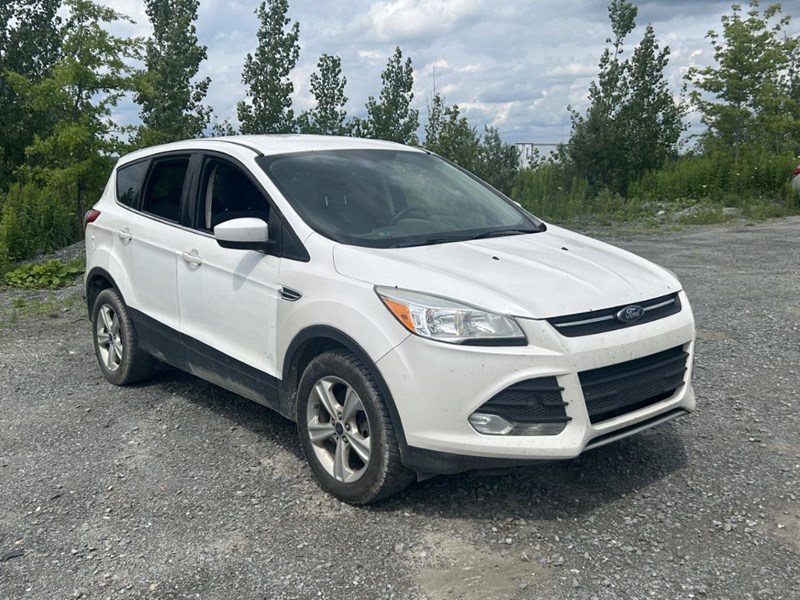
[[541, 275]]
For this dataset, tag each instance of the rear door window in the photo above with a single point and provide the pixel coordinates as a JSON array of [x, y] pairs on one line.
[[162, 198]]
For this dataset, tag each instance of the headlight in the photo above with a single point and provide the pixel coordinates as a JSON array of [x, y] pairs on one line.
[[449, 321]]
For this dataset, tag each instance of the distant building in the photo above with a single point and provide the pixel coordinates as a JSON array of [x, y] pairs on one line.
[[527, 151]]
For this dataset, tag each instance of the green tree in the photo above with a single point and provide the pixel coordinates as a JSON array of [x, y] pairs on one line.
[[391, 117], [654, 120], [83, 88], [168, 92], [632, 124], [268, 107], [327, 85], [746, 98], [450, 135], [29, 47], [497, 162], [222, 128]]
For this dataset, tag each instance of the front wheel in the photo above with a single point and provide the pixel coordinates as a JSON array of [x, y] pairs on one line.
[[346, 433]]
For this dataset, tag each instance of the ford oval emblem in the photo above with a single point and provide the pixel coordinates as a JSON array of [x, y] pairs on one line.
[[630, 314]]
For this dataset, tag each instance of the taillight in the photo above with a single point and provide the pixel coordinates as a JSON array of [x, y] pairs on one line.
[[796, 172], [90, 217]]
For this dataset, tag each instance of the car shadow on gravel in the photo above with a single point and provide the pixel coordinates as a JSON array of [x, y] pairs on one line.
[[546, 491], [552, 490], [237, 410]]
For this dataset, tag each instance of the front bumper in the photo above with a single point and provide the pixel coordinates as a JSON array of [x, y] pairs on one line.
[[436, 387]]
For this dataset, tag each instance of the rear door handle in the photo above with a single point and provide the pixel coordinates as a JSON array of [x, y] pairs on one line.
[[125, 235], [192, 258]]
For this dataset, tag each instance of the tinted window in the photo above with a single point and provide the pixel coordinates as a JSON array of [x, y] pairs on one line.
[[384, 198], [163, 195], [129, 182], [226, 192]]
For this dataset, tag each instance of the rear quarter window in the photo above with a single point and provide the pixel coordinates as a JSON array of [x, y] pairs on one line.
[[130, 179]]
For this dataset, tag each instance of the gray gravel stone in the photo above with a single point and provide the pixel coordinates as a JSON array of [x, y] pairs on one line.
[[177, 489]]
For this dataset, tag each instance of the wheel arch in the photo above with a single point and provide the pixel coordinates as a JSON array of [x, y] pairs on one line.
[[97, 280], [313, 341]]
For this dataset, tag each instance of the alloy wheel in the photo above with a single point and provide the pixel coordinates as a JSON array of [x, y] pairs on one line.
[[109, 338], [338, 429]]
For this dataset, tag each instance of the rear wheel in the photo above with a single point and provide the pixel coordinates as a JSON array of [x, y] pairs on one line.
[[116, 343], [346, 432]]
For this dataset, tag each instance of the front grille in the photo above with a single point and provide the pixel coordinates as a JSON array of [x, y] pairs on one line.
[[625, 387], [601, 321], [530, 401]]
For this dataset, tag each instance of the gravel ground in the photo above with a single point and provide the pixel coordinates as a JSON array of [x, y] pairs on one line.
[[178, 489]]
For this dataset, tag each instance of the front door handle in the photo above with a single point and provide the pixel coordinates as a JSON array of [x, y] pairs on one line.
[[125, 235], [192, 258]]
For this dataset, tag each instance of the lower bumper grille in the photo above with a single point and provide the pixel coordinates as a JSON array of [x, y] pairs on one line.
[[618, 389], [531, 401]]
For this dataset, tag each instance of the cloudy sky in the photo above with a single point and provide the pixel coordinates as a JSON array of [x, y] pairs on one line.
[[514, 64]]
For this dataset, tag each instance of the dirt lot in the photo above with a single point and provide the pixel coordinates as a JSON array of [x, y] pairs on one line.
[[178, 489]]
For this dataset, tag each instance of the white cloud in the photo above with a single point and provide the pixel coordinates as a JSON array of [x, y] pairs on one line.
[[468, 69], [515, 64], [370, 54], [407, 20], [572, 70]]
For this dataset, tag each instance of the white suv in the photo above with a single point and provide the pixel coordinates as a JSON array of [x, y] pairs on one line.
[[409, 318]]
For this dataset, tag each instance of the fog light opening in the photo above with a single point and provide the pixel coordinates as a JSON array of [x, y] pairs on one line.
[[489, 424]]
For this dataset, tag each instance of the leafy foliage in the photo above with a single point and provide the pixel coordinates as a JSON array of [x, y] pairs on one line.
[[633, 124], [752, 96], [47, 275], [80, 93], [34, 220], [268, 107], [551, 191], [691, 189], [62, 73], [327, 85], [450, 135], [222, 128], [30, 40], [498, 162], [716, 176], [167, 91], [391, 117]]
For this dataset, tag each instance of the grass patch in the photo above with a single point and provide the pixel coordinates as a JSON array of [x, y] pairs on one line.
[[38, 307]]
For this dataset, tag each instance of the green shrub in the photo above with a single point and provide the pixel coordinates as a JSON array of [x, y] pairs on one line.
[[50, 275], [757, 184], [551, 192], [34, 220], [720, 177]]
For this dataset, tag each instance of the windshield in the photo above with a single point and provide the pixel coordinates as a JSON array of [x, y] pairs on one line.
[[387, 198]]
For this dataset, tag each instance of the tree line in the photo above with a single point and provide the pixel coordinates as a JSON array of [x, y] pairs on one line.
[[628, 153], [62, 74]]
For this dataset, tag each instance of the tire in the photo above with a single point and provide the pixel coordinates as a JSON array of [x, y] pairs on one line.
[[346, 432], [116, 344]]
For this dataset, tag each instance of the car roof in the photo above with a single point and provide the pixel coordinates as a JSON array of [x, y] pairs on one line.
[[273, 144]]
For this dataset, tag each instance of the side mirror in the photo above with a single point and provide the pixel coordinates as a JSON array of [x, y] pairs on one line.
[[245, 233]]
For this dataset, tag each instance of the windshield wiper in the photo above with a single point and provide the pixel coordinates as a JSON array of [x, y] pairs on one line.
[[438, 239], [503, 232], [442, 239]]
